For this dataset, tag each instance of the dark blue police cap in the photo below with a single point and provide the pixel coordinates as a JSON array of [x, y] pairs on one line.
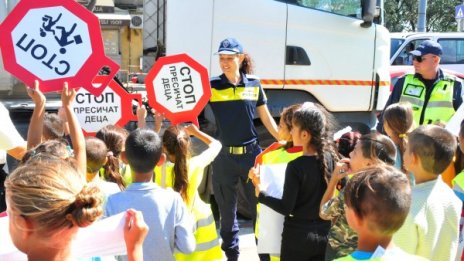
[[230, 46], [428, 47]]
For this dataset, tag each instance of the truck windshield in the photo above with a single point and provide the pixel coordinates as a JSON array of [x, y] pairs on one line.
[[394, 45]]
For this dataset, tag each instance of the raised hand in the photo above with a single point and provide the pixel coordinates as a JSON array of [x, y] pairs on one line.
[[36, 94]]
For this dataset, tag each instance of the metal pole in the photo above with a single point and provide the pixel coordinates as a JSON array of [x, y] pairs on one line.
[[421, 23]]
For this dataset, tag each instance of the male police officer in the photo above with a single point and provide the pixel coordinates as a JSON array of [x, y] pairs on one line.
[[434, 95]]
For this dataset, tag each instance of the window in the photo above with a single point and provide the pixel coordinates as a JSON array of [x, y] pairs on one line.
[[453, 51], [343, 7], [394, 45], [404, 58]]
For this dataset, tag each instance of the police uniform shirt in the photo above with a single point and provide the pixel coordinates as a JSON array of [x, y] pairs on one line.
[[395, 95], [234, 108]]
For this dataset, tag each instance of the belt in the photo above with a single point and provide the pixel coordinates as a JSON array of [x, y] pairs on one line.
[[239, 150]]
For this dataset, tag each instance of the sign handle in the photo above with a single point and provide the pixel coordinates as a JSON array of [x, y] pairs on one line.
[[138, 98], [96, 87]]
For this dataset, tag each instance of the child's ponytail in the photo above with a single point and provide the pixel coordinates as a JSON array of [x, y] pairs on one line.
[[177, 143], [111, 171]]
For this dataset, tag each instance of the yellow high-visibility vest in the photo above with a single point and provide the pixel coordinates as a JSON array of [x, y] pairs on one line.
[[440, 105]]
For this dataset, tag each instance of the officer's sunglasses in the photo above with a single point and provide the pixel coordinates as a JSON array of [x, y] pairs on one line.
[[419, 59]]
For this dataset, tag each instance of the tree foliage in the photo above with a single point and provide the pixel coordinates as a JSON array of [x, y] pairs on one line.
[[401, 15]]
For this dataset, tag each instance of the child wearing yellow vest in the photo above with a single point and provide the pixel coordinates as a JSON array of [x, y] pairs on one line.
[[277, 153], [184, 174]]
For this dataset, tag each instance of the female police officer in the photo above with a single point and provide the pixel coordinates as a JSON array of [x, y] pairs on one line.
[[236, 96]]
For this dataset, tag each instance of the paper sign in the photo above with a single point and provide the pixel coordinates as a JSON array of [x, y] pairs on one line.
[[179, 87], [271, 225], [54, 41], [272, 178], [103, 238], [454, 124], [113, 106]]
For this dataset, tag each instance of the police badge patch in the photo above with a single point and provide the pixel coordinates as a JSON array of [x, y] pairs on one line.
[[413, 90]]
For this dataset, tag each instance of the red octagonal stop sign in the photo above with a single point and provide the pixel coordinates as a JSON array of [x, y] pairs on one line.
[[179, 87], [113, 106], [54, 41]]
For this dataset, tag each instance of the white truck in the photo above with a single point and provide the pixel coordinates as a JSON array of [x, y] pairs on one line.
[[327, 51], [315, 50]]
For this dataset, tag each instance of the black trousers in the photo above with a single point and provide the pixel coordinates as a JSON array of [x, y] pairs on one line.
[[228, 171], [304, 241]]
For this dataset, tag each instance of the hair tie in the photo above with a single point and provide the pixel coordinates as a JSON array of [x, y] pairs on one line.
[[402, 135], [109, 154]]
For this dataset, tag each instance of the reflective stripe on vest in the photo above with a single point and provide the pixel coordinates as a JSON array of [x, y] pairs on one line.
[[235, 94], [440, 105]]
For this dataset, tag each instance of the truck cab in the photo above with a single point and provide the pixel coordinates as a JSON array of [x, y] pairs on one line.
[[303, 50]]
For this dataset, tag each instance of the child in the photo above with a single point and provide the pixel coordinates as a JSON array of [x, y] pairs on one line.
[[34, 134], [431, 228], [346, 143], [97, 157], [398, 122], [184, 174], [370, 150], [53, 127], [115, 171], [163, 210], [377, 202], [280, 152], [304, 234], [48, 201], [458, 188]]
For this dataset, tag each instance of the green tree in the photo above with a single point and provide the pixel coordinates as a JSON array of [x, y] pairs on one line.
[[401, 15]]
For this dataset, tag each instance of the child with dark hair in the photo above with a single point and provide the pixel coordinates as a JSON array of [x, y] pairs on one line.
[[370, 150], [280, 152], [346, 143], [398, 121], [431, 228], [304, 235], [184, 173], [97, 157], [115, 170], [163, 209], [52, 127], [377, 202], [57, 148], [36, 126]]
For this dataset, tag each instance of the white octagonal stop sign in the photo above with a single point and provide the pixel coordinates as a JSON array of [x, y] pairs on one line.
[[57, 47], [181, 87], [96, 112]]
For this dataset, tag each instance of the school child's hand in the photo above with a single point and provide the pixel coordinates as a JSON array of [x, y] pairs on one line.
[[67, 95], [36, 94], [135, 229], [342, 169], [191, 129], [159, 117], [253, 175], [141, 112]]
